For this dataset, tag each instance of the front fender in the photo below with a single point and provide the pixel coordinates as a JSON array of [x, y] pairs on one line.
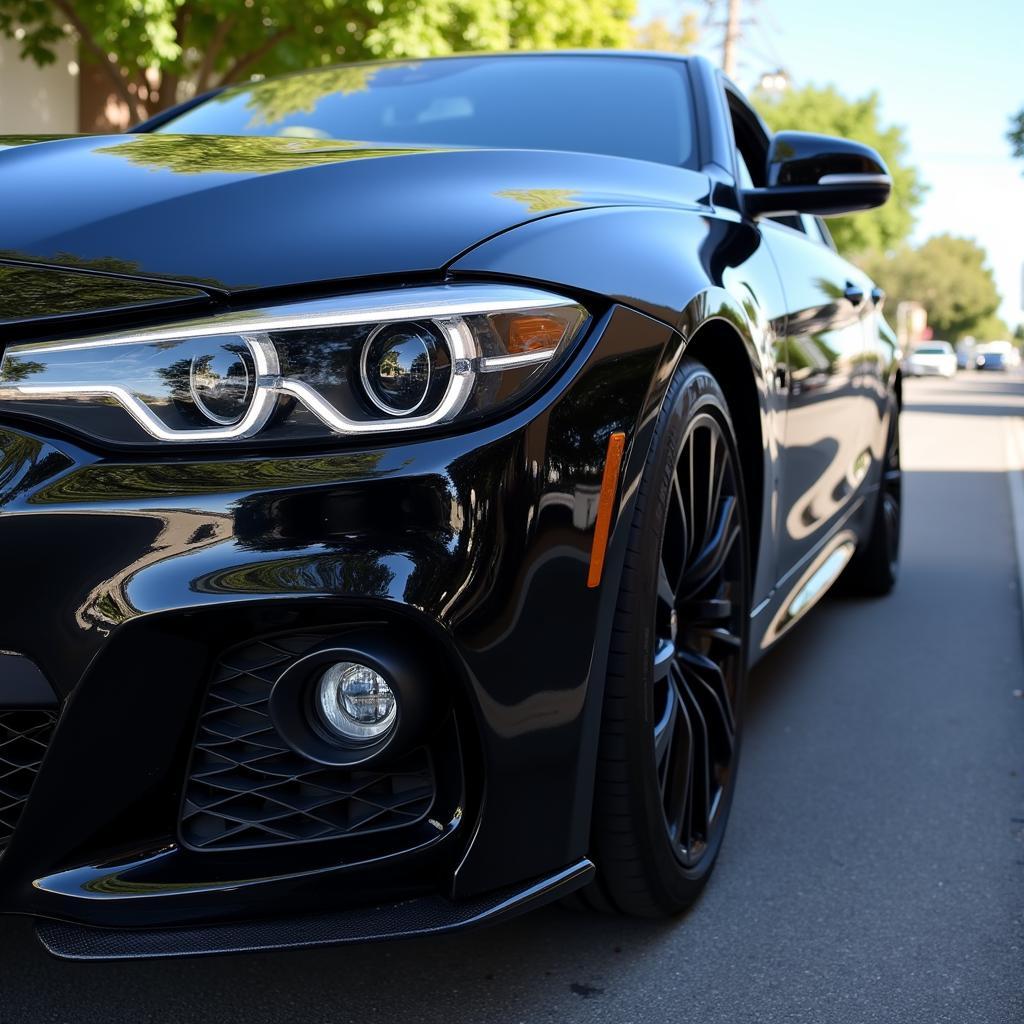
[[695, 273], [690, 269]]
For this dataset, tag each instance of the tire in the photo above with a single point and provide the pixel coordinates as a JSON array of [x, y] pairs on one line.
[[670, 732], [874, 569]]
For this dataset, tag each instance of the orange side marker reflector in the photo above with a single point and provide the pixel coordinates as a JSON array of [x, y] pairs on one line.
[[609, 485]]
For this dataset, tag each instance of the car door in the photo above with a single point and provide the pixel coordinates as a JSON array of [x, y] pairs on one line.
[[831, 398], [830, 404]]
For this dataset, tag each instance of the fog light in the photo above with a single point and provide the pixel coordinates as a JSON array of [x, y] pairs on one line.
[[355, 702]]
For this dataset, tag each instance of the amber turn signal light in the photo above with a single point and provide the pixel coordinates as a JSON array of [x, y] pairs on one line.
[[534, 334]]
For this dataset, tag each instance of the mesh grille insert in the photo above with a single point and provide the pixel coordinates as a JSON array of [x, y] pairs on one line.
[[246, 788], [24, 736]]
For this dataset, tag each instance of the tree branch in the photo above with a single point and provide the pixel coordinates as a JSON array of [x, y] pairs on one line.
[[212, 52], [112, 68], [243, 63], [169, 80]]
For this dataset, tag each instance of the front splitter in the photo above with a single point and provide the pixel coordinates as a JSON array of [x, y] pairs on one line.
[[433, 915]]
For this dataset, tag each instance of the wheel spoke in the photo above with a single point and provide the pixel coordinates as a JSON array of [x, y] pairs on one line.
[[700, 781], [715, 480], [674, 552], [716, 712], [678, 773], [664, 733], [711, 560], [691, 506], [664, 655], [710, 674]]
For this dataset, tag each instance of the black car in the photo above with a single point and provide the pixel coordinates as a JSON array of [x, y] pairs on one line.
[[401, 465]]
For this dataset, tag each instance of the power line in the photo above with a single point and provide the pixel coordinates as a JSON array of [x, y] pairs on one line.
[[735, 39]]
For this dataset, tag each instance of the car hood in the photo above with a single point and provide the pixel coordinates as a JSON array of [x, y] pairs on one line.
[[238, 213]]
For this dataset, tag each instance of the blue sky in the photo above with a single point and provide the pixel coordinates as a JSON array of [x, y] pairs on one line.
[[951, 72]]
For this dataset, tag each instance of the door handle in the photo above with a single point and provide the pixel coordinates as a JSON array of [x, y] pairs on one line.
[[854, 293]]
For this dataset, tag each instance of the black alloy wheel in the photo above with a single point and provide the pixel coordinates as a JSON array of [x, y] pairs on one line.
[[892, 496], [874, 569], [698, 653], [673, 697]]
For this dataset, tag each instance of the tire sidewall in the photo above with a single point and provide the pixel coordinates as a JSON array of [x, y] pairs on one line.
[[693, 392]]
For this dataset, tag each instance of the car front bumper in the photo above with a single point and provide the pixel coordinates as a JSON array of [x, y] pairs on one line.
[[129, 578]]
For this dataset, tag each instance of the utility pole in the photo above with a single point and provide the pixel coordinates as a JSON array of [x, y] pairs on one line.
[[731, 38]]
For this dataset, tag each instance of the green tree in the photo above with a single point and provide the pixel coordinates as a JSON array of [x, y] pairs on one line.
[[825, 110], [1016, 134], [991, 328], [155, 52], [660, 34], [949, 276]]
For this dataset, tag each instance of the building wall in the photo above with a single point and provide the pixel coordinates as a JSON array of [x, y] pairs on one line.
[[38, 101]]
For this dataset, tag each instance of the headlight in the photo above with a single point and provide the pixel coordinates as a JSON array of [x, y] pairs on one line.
[[367, 364]]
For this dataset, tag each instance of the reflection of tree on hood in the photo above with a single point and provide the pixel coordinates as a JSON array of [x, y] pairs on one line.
[[241, 154], [26, 292]]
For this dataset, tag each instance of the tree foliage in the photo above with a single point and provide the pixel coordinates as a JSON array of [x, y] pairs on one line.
[[1016, 134], [825, 110], [950, 278], [671, 37], [156, 52]]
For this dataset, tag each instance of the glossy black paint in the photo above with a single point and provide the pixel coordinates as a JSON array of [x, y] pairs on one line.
[[818, 174], [298, 208], [134, 571]]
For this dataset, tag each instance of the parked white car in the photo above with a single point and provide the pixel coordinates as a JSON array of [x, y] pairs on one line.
[[931, 359]]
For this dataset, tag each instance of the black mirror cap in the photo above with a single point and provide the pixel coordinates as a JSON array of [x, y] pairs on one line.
[[821, 175]]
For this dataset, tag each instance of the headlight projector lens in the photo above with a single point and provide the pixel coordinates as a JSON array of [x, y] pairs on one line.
[[355, 703], [402, 366], [223, 383]]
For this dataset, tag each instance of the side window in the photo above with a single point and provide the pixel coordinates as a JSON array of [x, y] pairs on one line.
[[751, 143], [746, 181], [752, 153], [810, 226], [816, 229], [826, 235], [791, 220]]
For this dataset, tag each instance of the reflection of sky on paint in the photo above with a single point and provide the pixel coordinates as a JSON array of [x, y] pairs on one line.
[[951, 72]]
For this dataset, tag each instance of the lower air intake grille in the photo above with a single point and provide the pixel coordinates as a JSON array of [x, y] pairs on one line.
[[24, 736], [246, 788]]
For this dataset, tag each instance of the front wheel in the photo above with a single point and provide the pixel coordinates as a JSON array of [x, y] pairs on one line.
[[674, 693]]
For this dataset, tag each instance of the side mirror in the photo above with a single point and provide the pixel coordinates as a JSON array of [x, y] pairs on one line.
[[821, 175]]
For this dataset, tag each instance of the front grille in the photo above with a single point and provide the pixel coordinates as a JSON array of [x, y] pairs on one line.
[[246, 788], [24, 736]]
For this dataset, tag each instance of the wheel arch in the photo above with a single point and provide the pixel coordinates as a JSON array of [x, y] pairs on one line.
[[719, 346]]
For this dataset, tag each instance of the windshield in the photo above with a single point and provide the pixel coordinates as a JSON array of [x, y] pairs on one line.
[[618, 106], [933, 350]]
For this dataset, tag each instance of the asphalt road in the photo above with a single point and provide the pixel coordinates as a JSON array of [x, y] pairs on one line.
[[874, 867]]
